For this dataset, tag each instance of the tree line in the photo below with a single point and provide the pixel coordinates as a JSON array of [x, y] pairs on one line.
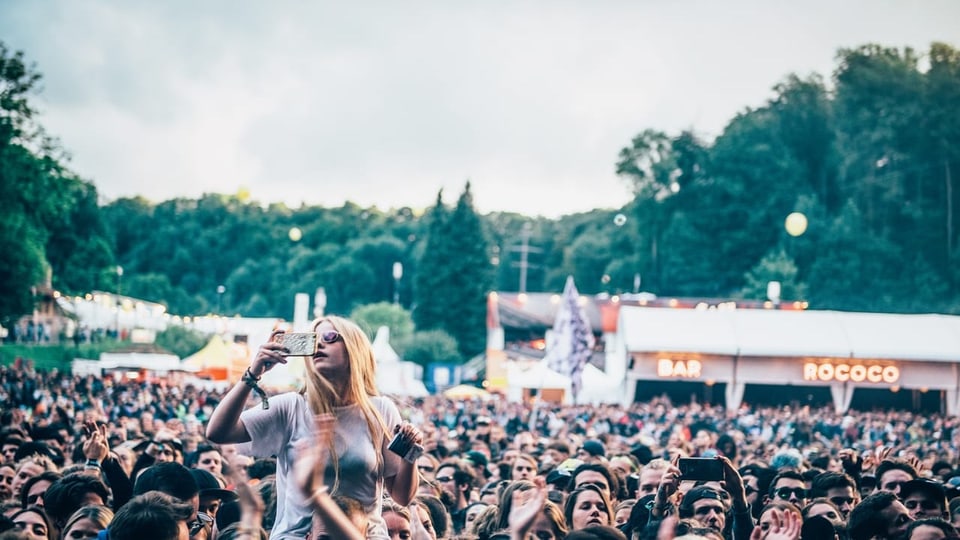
[[868, 155]]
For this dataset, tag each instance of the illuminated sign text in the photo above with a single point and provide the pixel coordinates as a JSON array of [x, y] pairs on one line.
[[678, 368], [813, 371]]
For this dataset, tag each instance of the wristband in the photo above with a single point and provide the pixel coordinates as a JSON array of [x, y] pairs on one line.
[[251, 382], [92, 464]]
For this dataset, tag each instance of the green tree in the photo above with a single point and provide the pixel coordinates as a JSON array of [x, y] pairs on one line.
[[181, 341], [774, 266], [371, 317], [430, 346], [455, 275]]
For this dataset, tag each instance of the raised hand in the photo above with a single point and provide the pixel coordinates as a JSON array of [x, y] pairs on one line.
[[525, 506], [269, 355], [785, 526], [310, 464], [95, 447]]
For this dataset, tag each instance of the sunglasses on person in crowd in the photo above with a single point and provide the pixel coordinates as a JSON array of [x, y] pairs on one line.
[[203, 520], [328, 337], [785, 492], [444, 478]]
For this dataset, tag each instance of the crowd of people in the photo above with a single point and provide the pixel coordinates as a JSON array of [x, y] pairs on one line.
[[92, 457]]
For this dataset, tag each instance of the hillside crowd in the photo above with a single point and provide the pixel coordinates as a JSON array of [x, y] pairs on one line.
[[91, 457]]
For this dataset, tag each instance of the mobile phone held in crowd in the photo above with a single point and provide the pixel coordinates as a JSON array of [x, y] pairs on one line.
[[706, 469], [405, 448], [299, 343]]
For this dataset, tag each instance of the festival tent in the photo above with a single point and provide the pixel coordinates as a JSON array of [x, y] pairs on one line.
[[218, 360], [553, 386], [394, 376], [465, 391]]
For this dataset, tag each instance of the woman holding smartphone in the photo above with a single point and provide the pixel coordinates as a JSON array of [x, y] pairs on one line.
[[340, 381]]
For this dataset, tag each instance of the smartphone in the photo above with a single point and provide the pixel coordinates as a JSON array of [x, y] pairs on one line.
[[706, 469], [299, 344], [407, 449]]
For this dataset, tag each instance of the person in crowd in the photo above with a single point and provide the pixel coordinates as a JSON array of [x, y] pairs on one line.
[[621, 512], [880, 516], [211, 493], [925, 499], [87, 522], [893, 473], [650, 476], [154, 515], [788, 486], [554, 454], [29, 467], [587, 505], [592, 451], [34, 524], [955, 511], [472, 512], [824, 507], [31, 493], [70, 493], [456, 483], [397, 519], [774, 512], [931, 529], [427, 465], [8, 472], [9, 446], [340, 381], [840, 488], [597, 474], [756, 484], [524, 468], [208, 458], [438, 516]]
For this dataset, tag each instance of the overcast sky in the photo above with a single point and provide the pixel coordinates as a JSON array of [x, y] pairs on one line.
[[385, 103]]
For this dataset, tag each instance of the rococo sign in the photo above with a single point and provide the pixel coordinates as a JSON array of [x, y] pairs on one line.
[[842, 372]]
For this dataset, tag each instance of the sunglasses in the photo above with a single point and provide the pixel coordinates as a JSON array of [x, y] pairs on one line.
[[444, 478], [785, 492], [330, 336], [426, 468], [202, 521]]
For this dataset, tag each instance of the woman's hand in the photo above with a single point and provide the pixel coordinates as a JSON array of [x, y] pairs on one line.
[[269, 355]]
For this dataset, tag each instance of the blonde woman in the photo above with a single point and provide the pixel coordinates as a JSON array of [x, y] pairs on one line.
[[340, 381]]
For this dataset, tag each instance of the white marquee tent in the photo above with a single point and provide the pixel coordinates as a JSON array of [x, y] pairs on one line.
[[394, 376]]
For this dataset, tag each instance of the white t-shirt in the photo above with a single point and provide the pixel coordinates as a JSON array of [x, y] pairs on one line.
[[275, 431]]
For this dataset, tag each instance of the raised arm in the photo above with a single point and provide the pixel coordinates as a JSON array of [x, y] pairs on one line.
[[225, 426]]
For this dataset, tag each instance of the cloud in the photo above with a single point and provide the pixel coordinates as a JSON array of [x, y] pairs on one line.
[[385, 103]]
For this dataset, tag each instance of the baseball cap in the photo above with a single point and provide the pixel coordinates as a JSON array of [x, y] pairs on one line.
[[594, 448], [934, 489], [477, 458]]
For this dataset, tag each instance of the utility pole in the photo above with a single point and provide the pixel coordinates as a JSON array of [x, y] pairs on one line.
[[525, 251]]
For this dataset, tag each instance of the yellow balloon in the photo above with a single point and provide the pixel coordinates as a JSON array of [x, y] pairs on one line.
[[796, 224], [295, 234], [243, 194]]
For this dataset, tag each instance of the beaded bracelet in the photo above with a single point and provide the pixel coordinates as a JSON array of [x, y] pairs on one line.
[[251, 381]]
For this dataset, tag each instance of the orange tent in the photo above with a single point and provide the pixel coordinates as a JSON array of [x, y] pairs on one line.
[[219, 360]]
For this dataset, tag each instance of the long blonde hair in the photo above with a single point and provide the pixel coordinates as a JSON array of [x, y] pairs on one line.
[[361, 386]]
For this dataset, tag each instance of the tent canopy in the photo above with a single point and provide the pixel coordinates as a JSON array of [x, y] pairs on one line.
[[394, 376]]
